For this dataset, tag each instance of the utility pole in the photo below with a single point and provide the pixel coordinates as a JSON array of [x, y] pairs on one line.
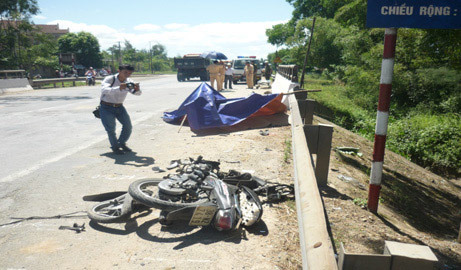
[[150, 56], [119, 54], [307, 53]]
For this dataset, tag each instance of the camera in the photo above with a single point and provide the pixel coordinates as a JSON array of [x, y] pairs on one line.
[[130, 87]]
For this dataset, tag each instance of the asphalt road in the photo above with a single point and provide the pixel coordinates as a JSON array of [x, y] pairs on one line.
[[42, 127], [54, 152]]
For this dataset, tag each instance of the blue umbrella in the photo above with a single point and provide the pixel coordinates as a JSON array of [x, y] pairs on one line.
[[214, 55]]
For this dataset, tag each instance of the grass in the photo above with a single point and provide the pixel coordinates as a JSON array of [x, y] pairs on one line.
[[287, 151], [335, 106], [360, 202], [430, 140]]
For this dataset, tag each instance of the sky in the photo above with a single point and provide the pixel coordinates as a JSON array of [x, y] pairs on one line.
[[183, 26]]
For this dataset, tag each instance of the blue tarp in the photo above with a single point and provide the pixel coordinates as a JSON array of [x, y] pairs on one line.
[[207, 108]]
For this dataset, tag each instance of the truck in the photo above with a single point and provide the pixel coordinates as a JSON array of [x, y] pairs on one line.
[[192, 66], [239, 65]]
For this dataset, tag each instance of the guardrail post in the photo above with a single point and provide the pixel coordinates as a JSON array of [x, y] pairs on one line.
[[306, 110], [319, 139], [300, 95]]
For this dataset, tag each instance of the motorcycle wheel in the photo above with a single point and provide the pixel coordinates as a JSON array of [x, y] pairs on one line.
[[146, 192], [112, 211]]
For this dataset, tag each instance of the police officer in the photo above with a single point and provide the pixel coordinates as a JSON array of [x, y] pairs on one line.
[[222, 72], [267, 70], [214, 70], [249, 72]]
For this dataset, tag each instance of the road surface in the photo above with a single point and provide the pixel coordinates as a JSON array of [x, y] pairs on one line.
[[54, 152]]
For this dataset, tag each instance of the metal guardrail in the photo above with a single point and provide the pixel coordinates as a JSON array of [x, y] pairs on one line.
[[307, 139], [12, 74], [38, 83]]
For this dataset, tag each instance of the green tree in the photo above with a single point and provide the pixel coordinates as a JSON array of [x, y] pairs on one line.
[[84, 45], [129, 53], [279, 34], [323, 8], [427, 72], [18, 9], [353, 13], [159, 51], [15, 31], [42, 54]]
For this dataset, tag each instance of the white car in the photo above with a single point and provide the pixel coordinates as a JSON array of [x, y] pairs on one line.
[[239, 65]]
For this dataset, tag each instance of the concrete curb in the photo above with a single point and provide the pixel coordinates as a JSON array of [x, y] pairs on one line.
[[14, 85]]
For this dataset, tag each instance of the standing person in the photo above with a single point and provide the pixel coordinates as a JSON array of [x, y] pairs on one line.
[[249, 72], [222, 73], [214, 70], [255, 72], [267, 70], [229, 76], [113, 92]]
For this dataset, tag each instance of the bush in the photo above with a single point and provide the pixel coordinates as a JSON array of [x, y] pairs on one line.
[[431, 141], [434, 89]]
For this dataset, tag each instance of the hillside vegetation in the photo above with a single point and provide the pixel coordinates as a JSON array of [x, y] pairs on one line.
[[345, 61]]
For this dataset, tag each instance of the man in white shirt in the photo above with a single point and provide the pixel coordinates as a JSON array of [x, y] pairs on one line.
[[228, 77], [113, 92]]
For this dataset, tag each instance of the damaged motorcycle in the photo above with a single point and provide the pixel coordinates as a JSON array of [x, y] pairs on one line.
[[197, 194]]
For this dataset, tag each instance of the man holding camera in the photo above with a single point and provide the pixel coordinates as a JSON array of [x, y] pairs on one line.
[[113, 93]]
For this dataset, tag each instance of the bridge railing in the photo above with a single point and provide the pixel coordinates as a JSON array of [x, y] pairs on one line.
[[289, 72]]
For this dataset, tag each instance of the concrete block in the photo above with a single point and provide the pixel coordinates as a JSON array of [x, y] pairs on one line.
[[350, 261], [14, 85], [410, 256]]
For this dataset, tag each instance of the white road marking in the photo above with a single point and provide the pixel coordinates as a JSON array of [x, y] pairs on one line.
[[65, 154]]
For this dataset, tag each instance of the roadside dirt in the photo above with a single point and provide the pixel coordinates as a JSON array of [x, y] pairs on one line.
[[416, 206]]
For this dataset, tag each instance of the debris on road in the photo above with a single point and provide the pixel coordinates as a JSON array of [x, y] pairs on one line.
[[264, 132], [351, 180], [77, 228], [349, 150], [158, 169]]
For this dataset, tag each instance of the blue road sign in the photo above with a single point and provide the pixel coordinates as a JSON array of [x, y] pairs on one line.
[[427, 14]]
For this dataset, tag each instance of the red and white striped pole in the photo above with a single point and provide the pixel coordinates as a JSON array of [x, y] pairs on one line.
[[382, 117]]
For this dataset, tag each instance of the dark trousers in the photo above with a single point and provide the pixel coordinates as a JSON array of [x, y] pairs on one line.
[[228, 78], [108, 116]]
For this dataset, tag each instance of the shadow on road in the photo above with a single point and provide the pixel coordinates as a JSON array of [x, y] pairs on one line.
[[188, 236], [130, 158], [26, 99], [181, 232]]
